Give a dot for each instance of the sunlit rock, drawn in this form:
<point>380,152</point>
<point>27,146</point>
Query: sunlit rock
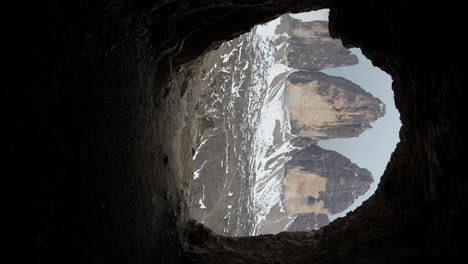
<point>324,107</point>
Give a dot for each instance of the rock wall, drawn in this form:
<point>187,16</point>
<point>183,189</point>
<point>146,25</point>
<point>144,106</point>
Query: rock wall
<point>313,49</point>
<point>324,107</point>
<point>418,210</point>
<point>97,154</point>
<point>335,182</point>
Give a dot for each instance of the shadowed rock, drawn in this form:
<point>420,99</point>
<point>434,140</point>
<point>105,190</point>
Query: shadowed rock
<point>323,181</point>
<point>307,222</point>
<point>312,48</point>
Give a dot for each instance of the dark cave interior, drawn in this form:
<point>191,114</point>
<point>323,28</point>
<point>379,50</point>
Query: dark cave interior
<point>98,157</point>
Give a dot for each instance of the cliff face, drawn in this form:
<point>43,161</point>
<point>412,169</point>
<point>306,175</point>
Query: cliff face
<point>322,181</point>
<point>257,101</point>
<point>221,186</point>
<point>324,107</point>
<point>312,48</point>
<point>308,222</point>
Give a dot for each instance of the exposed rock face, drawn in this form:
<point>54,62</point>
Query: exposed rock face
<point>230,91</point>
<point>308,222</point>
<point>323,107</point>
<point>251,108</point>
<point>98,156</point>
<point>312,48</point>
<point>335,182</point>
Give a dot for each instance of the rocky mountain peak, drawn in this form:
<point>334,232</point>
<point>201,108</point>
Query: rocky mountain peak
<point>324,107</point>
<point>263,105</point>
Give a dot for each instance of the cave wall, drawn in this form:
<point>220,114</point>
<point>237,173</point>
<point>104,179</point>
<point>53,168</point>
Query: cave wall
<point>422,188</point>
<point>94,140</point>
<point>418,211</point>
<point>98,108</point>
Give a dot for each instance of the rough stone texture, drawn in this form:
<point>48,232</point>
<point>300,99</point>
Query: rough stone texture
<point>94,150</point>
<point>220,140</point>
<point>313,49</point>
<point>308,222</point>
<point>324,107</point>
<point>339,183</point>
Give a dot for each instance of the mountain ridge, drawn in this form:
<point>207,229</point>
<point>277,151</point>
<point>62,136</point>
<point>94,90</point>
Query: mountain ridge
<point>247,129</point>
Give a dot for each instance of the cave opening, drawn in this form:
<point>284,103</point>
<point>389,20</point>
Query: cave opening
<point>99,161</point>
<point>291,129</point>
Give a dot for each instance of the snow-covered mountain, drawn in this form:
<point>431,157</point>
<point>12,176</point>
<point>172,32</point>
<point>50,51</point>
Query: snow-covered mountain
<point>262,106</point>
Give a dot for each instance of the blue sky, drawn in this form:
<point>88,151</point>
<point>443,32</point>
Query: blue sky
<point>373,148</point>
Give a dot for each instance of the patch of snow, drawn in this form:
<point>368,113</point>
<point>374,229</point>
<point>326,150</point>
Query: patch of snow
<point>196,174</point>
<point>226,57</point>
<point>246,66</point>
<point>268,29</point>
<point>267,105</point>
<point>291,220</point>
<point>199,147</point>
<point>202,205</point>
<point>312,15</point>
<point>276,70</point>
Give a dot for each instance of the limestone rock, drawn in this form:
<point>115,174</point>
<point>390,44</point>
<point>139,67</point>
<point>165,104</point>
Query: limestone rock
<point>324,107</point>
<point>312,48</point>
<point>323,182</point>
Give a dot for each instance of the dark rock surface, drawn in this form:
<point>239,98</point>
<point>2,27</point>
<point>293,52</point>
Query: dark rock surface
<point>96,159</point>
<point>345,181</point>
<point>308,222</point>
<point>313,49</point>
